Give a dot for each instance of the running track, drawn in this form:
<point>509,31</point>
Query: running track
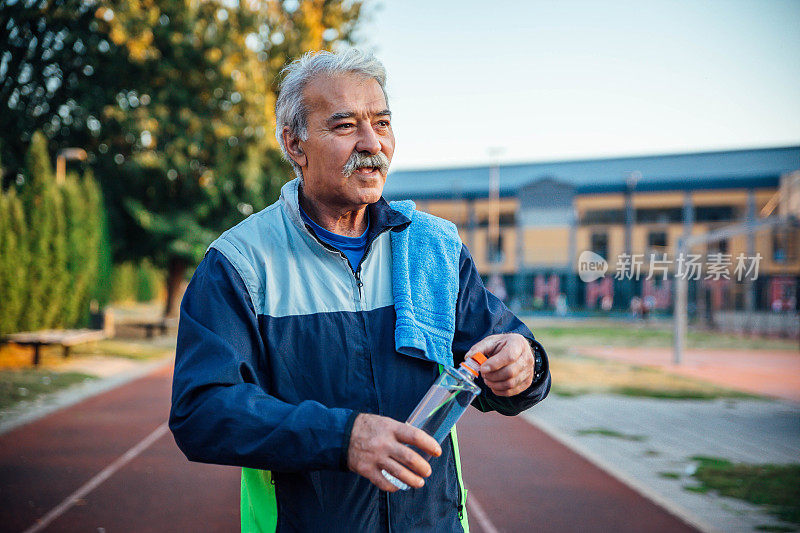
<point>109,464</point>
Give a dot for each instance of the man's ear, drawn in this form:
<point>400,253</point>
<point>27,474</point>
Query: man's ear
<point>292,143</point>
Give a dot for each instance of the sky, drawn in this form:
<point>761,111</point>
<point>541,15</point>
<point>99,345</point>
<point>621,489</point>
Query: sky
<point>478,82</point>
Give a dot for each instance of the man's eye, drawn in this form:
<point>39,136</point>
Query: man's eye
<point>344,126</point>
<point>383,123</point>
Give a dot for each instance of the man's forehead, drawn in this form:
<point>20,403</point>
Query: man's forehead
<point>344,93</point>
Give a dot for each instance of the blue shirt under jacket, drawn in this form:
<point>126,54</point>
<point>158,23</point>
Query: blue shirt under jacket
<point>352,247</point>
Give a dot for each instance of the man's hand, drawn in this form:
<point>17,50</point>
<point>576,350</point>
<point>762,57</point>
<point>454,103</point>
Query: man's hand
<point>379,443</point>
<point>510,367</point>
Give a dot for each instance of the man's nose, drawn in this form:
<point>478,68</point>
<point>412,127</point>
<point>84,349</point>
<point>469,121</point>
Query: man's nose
<point>368,141</point>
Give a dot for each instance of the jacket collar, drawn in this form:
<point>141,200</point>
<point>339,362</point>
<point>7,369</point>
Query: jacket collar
<point>381,215</point>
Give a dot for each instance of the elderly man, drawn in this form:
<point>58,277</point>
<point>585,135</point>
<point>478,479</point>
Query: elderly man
<point>289,360</point>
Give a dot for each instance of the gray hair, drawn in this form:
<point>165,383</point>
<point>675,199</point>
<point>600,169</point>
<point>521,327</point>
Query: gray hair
<point>290,110</point>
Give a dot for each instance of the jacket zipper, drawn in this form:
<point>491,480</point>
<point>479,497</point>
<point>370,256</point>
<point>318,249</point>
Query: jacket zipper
<point>360,285</point>
<point>388,515</point>
<point>357,272</point>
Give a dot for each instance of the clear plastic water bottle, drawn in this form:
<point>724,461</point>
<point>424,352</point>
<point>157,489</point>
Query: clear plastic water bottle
<point>443,404</point>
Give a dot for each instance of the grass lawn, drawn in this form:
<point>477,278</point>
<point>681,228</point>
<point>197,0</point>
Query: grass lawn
<point>129,349</point>
<point>605,432</point>
<point>575,374</point>
<point>777,487</point>
<point>647,334</point>
<point>27,384</point>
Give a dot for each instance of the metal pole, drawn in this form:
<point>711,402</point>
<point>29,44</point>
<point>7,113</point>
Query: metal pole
<point>61,169</point>
<point>494,211</point>
<point>679,315</point>
<point>749,286</point>
<point>627,285</point>
<point>73,154</point>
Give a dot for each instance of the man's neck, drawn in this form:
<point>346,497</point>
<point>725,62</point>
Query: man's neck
<point>350,223</point>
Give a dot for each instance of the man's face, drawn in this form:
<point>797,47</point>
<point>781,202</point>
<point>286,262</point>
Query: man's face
<point>346,114</point>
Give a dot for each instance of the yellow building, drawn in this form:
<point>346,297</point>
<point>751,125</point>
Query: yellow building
<point>629,211</point>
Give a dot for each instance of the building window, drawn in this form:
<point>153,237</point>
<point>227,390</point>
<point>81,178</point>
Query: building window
<point>659,215</point>
<point>603,216</point>
<point>714,213</point>
<point>505,219</point>
<point>599,244</point>
<point>785,245</point>
<point>718,247</point>
<point>657,240</point>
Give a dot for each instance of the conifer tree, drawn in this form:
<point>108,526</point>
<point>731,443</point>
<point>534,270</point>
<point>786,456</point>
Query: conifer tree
<point>18,261</point>
<point>55,290</point>
<point>99,241</point>
<point>47,275</point>
<point>81,251</point>
<point>40,221</point>
<point>8,250</point>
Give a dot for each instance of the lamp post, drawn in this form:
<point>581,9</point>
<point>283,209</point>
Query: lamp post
<point>72,154</point>
<point>630,220</point>
<point>494,208</point>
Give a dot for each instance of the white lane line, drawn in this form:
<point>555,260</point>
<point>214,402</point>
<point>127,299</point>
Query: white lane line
<point>92,484</point>
<point>475,509</point>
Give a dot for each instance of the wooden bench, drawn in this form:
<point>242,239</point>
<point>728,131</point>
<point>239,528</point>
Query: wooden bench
<point>162,325</point>
<point>66,338</point>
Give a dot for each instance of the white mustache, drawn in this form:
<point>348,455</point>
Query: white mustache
<point>358,160</point>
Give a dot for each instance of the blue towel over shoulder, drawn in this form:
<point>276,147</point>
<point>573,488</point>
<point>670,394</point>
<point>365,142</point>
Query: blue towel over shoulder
<point>425,259</point>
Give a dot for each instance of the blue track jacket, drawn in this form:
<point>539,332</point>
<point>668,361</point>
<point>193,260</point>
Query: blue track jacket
<point>281,345</point>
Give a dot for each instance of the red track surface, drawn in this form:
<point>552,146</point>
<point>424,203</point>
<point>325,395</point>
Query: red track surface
<point>524,480</point>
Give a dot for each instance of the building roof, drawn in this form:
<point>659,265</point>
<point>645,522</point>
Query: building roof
<point>707,170</point>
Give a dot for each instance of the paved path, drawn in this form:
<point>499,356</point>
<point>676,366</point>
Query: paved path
<point>647,437</point>
<point>773,373</point>
<point>108,464</point>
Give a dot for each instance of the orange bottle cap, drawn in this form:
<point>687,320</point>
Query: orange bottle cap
<point>479,358</point>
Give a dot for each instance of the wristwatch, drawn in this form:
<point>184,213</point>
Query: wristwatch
<point>538,362</point>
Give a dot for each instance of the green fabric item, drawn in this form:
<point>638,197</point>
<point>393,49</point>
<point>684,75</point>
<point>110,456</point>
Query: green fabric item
<point>258,506</point>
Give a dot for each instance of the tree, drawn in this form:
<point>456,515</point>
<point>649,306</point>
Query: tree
<point>174,102</point>
<point>100,290</point>
<point>13,261</point>
<point>205,156</point>
<point>82,246</point>
<point>58,70</point>
<point>46,274</point>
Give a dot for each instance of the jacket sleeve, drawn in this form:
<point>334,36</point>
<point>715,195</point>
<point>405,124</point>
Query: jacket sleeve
<point>479,313</point>
<point>221,412</point>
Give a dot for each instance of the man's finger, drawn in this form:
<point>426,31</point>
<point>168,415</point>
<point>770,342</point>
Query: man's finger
<point>410,435</point>
<point>411,460</point>
<point>504,385</point>
<point>506,356</point>
<point>511,386</point>
<point>502,373</point>
<point>381,482</point>
<point>488,346</point>
<point>402,473</point>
